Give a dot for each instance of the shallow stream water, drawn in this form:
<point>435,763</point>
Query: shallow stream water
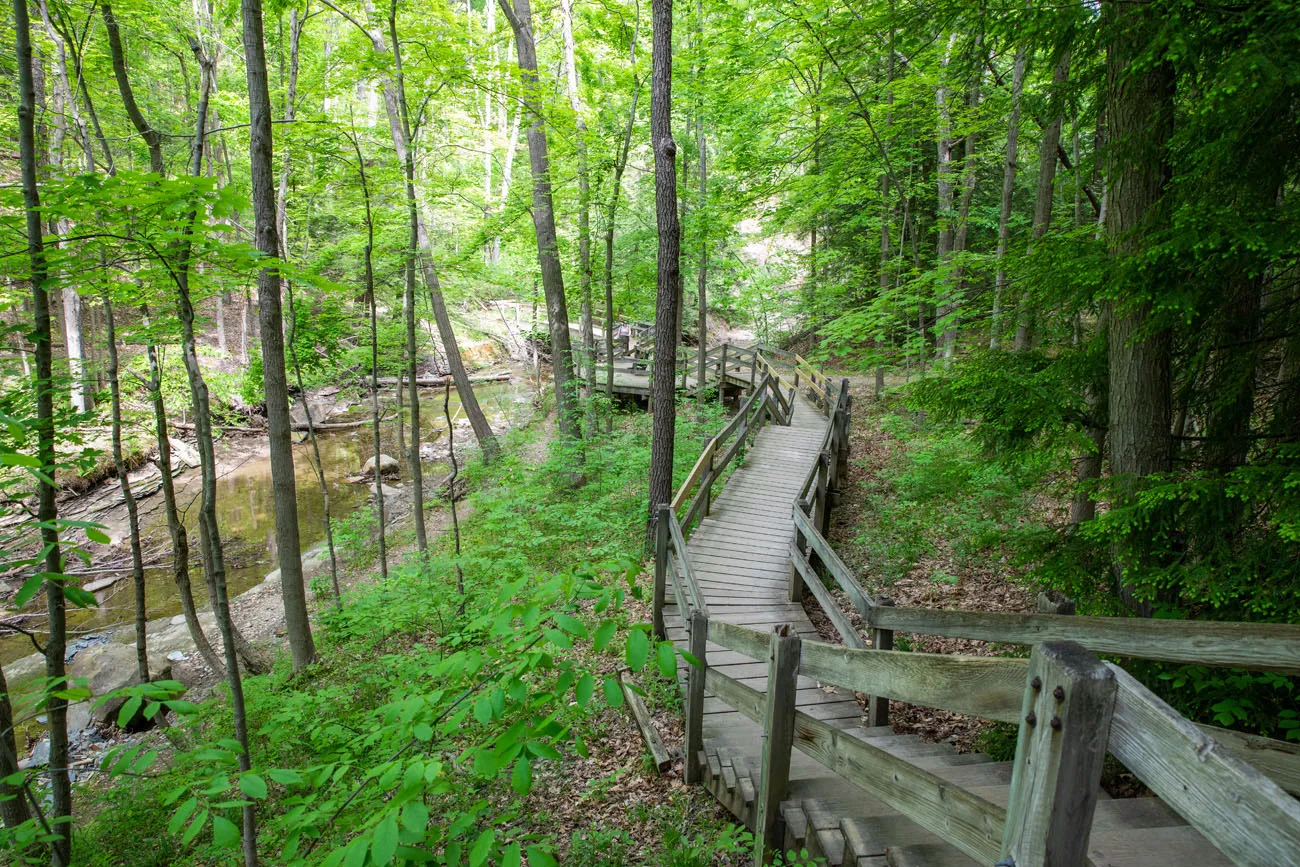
<point>245,508</point>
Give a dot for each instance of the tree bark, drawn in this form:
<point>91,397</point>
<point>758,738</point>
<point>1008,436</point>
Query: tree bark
<point>584,213</point>
<point>669,262</point>
<point>13,806</point>
<point>132,516</point>
<point>152,138</point>
<point>270,321</point>
<point>557,313</point>
<point>1139,110</point>
<point>946,211</point>
<point>1008,191</point>
<point>47,511</point>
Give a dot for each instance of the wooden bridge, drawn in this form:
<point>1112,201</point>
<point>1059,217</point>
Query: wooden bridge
<point>733,366</point>
<point>791,733</point>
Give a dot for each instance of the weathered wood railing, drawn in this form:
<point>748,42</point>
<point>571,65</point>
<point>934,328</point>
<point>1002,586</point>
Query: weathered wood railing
<point>1071,707</point>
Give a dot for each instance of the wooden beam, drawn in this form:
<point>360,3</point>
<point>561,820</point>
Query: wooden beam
<point>741,639</point>
<point>990,687</point>
<point>1277,760</point>
<point>778,740</point>
<point>695,676</point>
<point>1257,646</point>
<point>842,574</point>
<point>824,597</point>
<point>1242,812</point>
<point>649,734</point>
<point>1068,700</point>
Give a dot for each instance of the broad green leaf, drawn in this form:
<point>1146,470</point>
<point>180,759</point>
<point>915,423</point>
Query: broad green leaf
<point>195,827</point>
<point>667,659</point>
<point>604,635</point>
<point>613,691</point>
<point>483,710</point>
<point>638,648</point>
<point>225,833</point>
<point>384,845</point>
<point>559,639</point>
<point>253,786</point>
<point>182,815</point>
<point>98,536</point>
<point>128,710</point>
<point>521,779</point>
<point>539,857</point>
<point>285,776</point>
<point>355,855</point>
<point>510,856</point>
<point>415,816</point>
<point>482,848</point>
<point>571,625</point>
<point>423,732</point>
<point>586,686</point>
<point>28,590</point>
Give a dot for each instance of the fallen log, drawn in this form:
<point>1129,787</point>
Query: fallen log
<point>440,381</point>
<point>649,734</point>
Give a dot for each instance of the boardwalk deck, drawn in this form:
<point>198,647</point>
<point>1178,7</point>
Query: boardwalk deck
<point>740,558</point>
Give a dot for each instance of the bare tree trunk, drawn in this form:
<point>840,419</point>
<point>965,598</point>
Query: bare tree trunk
<point>13,807</point>
<point>669,261</point>
<point>1140,113</point>
<point>1008,190</point>
<point>946,212</point>
<point>152,138</point>
<point>274,378</point>
<point>132,516</point>
<point>620,164</point>
<point>584,214</point>
<point>557,313</point>
<point>47,511</point>
<point>1043,199</point>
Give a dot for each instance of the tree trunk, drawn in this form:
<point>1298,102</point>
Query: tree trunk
<point>274,378</point>
<point>669,262</point>
<point>620,164</point>
<point>47,512</point>
<point>946,214</point>
<point>1048,146</point>
<point>557,313</point>
<point>1140,113</point>
<point>13,806</point>
<point>1008,190</point>
<point>584,213</point>
<point>152,138</point>
<point>132,517</point>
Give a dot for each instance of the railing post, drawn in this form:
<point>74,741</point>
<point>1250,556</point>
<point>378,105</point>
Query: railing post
<point>753,367</point>
<point>881,639</point>
<point>821,514</point>
<point>722,372</point>
<point>778,740</point>
<point>707,481</point>
<point>795,585</point>
<point>694,746</point>
<point>1069,698</point>
<point>661,568</point>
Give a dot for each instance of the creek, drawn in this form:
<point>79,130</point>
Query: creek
<point>245,508</point>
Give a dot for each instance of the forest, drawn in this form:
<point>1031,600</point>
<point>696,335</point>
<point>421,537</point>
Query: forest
<point>354,350</point>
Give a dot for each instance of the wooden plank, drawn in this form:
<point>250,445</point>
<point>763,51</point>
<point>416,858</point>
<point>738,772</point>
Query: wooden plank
<point>1277,760</point>
<point>702,465</point>
<point>958,817</point>
<point>1257,646</point>
<point>842,574</point>
<point>848,634</point>
<point>1255,823</point>
<point>778,737</point>
<point>991,687</point>
<point>684,562</point>
<point>745,641</point>
<point>661,570</point>
<point>1059,753</point>
<point>694,735</point>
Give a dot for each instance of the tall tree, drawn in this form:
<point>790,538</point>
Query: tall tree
<point>1008,191</point>
<point>584,208</point>
<point>668,282</point>
<point>275,382</point>
<point>47,511</point>
<point>557,311</point>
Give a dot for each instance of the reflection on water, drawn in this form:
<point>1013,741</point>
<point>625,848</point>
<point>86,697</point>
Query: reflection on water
<point>246,511</point>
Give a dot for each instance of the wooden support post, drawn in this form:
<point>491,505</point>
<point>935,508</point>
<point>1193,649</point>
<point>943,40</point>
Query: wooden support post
<point>661,569</point>
<point>795,585</point>
<point>753,368</point>
<point>707,482</point>
<point>722,372</point>
<point>821,514</point>
<point>654,744</point>
<point>778,740</point>
<point>1069,699</point>
<point>881,639</point>
<point>694,745</point>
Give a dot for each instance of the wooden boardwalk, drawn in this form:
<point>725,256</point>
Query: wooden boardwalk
<point>740,555</point>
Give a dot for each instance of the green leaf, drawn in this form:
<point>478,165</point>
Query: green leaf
<point>28,590</point>
<point>423,732</point>
<point>355,855</point>
<point>638,648</point>
<point>128,711</point>
<point>571,625</point>
<point>482,848</point>
<point>559,639</point>
<point>613,692</point>
<point>604,635</point>
<point>483,710</point>
<point>179,706</point>
<point>667,659</point>
<point>415,816</point>
<point>253,786</point>
<point>98,536</point>
<point>225,833</point>
<point>585,688</point>
<point>182,815</point>
<point>510,856</point>
<point>285,776</point>
<point>521,779</point>
<point>195,827</point>
<point>384,845</point>
<point>9,459</point>
<point>79,597</point>
<point>539,857</point>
